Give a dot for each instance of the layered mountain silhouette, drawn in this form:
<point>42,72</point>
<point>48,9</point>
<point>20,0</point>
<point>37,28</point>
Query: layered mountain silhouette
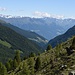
<point>41,41</point>
<point>47,27</point>
<point>64,37</point>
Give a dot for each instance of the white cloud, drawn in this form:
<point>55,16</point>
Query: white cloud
<point>2,9</point>
<point>38,14</point>
<point>41,14</point>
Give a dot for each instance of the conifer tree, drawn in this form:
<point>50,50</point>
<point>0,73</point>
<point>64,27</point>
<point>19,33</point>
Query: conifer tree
<point>3,69</point>
<point>38,63</point>
<point>26,70</point>
<point>8,66</point>
<point>11,63</point>
<point>31,65</point>
<point>15,64</point>
<point>49,47</point>
<point>58,49</point>
<point>17,56</point>
<point>32,54</point>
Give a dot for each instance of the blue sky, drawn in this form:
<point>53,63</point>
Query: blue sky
<point>38,8</point>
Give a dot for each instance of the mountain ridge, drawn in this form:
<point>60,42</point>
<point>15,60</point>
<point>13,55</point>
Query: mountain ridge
<point>43,26</point>
<point>38,39</point>
<point>62,38</point>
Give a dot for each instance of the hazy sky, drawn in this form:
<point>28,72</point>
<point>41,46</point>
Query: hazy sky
<point>38,8</point>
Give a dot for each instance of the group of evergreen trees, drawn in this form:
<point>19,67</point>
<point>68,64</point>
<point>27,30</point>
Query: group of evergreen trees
<point>12,64</point>
<point>3,69</point>
<point>28,68</point>
<point>32,64</point>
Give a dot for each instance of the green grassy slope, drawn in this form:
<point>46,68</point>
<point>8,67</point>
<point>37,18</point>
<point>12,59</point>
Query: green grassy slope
<point>5,43</point>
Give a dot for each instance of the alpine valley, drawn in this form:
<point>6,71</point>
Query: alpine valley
<point>25,51</point>
<point>47,27</point>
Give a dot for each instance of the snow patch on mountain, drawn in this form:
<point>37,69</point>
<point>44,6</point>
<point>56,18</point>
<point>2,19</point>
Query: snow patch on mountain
<point>10,16</point>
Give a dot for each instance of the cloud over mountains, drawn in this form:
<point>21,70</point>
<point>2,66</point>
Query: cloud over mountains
<point>38,14</point>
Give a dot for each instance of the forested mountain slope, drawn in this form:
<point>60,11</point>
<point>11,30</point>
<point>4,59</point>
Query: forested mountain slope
<point>57,61</point>
<point>11,41</point>
<point>41,41</point>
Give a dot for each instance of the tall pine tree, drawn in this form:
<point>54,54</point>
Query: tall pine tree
<point>17,57</point>
<point>3,69</point>
<point>38,63</point>
<point>49,47</point>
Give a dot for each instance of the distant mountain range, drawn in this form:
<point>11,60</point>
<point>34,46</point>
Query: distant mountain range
<point>47,27</point>
<point>64,37</point>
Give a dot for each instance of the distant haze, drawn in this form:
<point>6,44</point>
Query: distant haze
<point>47,27</point>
